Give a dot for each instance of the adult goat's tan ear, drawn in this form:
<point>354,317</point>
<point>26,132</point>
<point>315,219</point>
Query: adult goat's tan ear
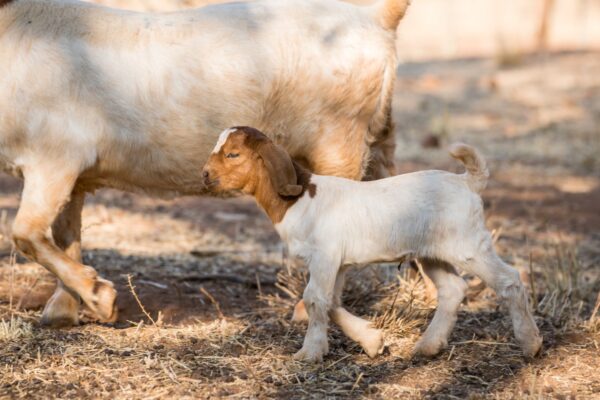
<point>281,169</point>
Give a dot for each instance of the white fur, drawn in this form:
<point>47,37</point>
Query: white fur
<point>431,215</point>
<point>222,139</point>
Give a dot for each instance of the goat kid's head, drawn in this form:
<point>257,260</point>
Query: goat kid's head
<point>242,157</point>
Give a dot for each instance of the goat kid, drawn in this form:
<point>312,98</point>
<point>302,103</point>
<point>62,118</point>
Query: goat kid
<point>435,216</point>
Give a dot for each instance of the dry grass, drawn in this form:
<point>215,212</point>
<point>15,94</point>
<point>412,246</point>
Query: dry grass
<point>249,355</point>
<point>206,292</point>
<point>14,329</point>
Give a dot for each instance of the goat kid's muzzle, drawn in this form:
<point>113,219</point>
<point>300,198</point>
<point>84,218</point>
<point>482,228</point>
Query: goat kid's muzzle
<point>208,181</point>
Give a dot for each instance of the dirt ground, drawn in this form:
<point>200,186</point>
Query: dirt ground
<point>214,277</point>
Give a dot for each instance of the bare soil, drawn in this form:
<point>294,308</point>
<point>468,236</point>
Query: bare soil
<point>214,277</point>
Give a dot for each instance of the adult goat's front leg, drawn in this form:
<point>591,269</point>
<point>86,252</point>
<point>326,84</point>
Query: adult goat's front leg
<point>62,309</point>
<point>318,299</point>
<point>47,189</point>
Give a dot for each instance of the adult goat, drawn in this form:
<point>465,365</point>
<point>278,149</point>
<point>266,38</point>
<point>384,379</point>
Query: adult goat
<point>92,97</point>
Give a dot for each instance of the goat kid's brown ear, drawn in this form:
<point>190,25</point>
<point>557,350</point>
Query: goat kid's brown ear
<point>281,169</point>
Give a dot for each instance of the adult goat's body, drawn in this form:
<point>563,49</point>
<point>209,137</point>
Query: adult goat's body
<point>92,97</point>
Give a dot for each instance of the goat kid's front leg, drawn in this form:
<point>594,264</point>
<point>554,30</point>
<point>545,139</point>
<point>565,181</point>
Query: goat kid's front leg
<point>318,299</point>
<point>301,315</point>
<point>357,329</point>
<point>360,330</point>
<point>47,189</point>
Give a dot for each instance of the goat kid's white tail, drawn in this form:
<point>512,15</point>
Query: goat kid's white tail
<point>477,172</point>
<point>389,13</point>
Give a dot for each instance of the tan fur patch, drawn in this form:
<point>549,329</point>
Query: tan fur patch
<point>252,176</point>
<point>276,206</point>
<point>392,12</point>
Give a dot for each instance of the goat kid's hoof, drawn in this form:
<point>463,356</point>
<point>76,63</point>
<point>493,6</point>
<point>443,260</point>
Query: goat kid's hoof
<point>429,347</point>
<point>103,301</point>
<point>310,355</point>
<point>372,342</point>
<point>300,315</point>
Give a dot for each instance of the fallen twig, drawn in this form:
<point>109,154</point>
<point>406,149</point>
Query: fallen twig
<point>214,301</point>
<point>132,289</point>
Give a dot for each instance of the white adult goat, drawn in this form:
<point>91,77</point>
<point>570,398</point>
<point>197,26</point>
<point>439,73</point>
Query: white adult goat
<point>93,97</point>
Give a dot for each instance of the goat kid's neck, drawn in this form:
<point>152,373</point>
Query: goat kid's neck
<point>267,198</point>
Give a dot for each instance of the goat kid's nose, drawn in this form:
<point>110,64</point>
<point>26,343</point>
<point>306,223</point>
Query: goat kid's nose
<point>205,174</point>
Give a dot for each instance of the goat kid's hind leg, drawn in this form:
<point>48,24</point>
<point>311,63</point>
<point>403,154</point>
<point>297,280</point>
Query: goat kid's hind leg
<point>506,282</point>
<point>62,309</point>
<point>318,300</point>
<point>47,189</point>
<point>451,290</point>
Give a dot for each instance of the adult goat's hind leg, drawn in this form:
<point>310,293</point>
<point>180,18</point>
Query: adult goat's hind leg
<point>47,189</point>
<point>342,152</point>
<point>381,162</point>
<point>62,309</point>
<point>506,282</point>
<point>450,293</point>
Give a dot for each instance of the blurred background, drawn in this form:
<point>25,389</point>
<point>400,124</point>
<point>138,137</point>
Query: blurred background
<point>442,29</point>
<point>519,79</point>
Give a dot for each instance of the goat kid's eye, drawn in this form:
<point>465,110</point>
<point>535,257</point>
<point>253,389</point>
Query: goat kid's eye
<point>232,155</point>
